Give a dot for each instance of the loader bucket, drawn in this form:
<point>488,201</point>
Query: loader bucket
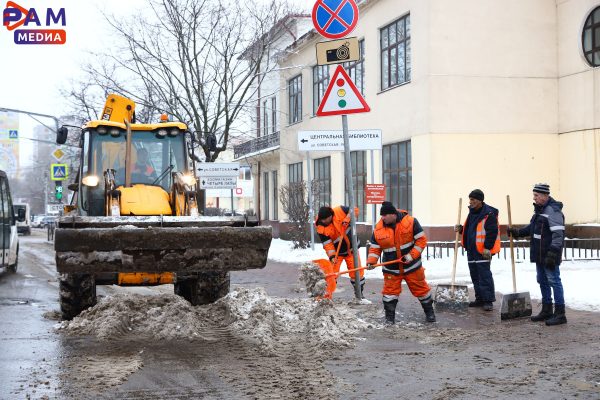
<point>183,245</point>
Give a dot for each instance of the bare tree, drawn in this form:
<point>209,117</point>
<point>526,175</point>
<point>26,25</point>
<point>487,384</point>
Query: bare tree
<point>294,200</point>
<point>197,60</point>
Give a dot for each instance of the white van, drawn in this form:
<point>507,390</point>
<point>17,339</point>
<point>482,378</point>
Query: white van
<point>9,240</point>
<point>23,227</point>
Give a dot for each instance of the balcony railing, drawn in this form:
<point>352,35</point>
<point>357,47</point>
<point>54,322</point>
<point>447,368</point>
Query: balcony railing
<point>256,145</point>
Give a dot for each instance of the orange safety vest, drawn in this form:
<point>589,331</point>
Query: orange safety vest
<point>336,230</point>
<point>480,237</point>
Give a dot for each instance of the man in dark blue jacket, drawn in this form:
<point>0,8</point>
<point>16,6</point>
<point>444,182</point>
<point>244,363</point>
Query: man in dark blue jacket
<point>547,231</point>
<point>481,240</point>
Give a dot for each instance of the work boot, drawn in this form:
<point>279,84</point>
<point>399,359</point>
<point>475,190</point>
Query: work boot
<point>488,306</point>
<point>362,290</point>
<point>559,316</point>
<point>428,308</point>
<point>476,303</point>
<point>390,311</point>
<point>545,314</point>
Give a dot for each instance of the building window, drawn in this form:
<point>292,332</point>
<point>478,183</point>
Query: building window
<point>266,193</point>
<point>397,174</point>
<point>323,181</point>
<point>265,119</point>
<point>359,179</point>
<point>591,38</point>
<point>273,114</point>
<point>295,173</point>
<point>395,53</point>
<point>320,82</point>
<point>356,69</point>
<point>295,99</point>
<point>275,198</point>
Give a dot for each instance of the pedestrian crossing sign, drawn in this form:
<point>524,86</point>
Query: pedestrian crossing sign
<point>59,172</point>
<point>13,134</point>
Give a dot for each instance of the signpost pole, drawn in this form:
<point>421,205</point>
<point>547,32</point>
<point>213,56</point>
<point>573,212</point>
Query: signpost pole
<point>311,212</point>
<point>350,194</point>
<point>373,181</point>
<point>232,213</point>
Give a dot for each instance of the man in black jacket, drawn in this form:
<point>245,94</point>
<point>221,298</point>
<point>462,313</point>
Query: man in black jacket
<point>547,232</point>
<point>481,240</point>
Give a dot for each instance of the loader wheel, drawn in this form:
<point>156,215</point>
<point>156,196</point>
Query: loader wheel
<point>205,288</point>
<point>77,292</point>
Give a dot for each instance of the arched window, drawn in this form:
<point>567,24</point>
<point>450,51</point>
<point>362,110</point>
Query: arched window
<point>590,38</point>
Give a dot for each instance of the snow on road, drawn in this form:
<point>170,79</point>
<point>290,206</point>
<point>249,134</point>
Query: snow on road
<point>578,277</point>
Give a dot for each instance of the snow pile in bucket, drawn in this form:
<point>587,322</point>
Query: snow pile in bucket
<point>249,313</point>
<point>448,295</point>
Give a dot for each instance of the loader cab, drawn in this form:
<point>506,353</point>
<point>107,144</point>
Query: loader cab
<point>157,150</point>
<point>9,241</point>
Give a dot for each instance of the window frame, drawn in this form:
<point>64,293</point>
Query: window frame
<point>386,50</point>
<point>352,66</point>
<point>295,97</point>
<point>359,174</point>
<point>591,24</point>
<point>273,114</point>
<point>265,115</point>
<point>295,171</point>
<point>275,196</point>
<point>394,188</point>
<point>320,83</point>
<point>322,175</point>
<point>266,195</point>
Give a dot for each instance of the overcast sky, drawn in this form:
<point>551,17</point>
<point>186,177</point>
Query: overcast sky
<point>32,75</point>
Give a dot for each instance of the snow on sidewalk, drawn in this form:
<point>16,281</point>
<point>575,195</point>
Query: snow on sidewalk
<point>579,277</point>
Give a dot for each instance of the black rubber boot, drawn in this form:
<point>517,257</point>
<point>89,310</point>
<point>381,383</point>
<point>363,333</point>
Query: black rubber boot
<point>559,316</point>
<point>545,314</point>
<point>390,311</point>
<point>429,313</point>
<point>476,303</point>
<point>362,290</point>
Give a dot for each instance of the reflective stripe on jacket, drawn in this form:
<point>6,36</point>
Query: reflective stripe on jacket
<point>406,236</point>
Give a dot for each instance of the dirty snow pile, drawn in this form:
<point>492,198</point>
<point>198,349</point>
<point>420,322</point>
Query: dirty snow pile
<point>247,313</point>
<point>444,294</point>
<point>313,278</point>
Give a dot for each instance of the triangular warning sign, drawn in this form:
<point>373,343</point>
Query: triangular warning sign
<point>342,96</point>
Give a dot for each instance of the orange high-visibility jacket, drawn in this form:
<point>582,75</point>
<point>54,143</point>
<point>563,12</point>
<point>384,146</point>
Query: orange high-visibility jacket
<point>332,234</point>
<point>407,237</point>
<point>480,237</point>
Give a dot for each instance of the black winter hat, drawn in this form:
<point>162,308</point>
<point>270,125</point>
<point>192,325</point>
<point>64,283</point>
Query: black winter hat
<point>476,194</point>
<point>387,208</point>
<point>324,212</point>
<point>541,188</point>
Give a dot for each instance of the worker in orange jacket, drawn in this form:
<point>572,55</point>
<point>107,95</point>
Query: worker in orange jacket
<point>399,236</point>
<point>333,225</point>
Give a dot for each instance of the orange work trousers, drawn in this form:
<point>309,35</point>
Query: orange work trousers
<point>415,280</point>
<point>349,265</point>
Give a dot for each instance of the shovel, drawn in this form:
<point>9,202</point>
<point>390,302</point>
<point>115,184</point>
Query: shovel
<point>516,304</point>
<point>336,274</point>
<point>453,296</point>
<point>330,277</point>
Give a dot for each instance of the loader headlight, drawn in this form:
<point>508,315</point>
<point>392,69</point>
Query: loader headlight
<point>102,130</point>
<point>189,180</point>
<point>90,180</point>
<point>174,132</point>
<point>161,133</point>
<point>115,132</point>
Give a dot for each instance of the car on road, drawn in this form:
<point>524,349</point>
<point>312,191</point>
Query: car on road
<point>48,220</point>
<point>23,227</point>
<point>37,221</point>
<point>9,240</point>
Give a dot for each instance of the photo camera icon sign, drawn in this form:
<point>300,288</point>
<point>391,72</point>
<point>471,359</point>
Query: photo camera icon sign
<point>340,54</point>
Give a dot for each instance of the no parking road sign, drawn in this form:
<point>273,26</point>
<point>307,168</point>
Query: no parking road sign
<point>335,19</point>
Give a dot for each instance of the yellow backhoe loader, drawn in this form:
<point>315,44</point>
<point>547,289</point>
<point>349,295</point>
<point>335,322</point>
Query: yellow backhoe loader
<point>135,219</point>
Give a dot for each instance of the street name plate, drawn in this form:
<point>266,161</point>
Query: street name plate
<point>219,169</point>
<point>366,139</point>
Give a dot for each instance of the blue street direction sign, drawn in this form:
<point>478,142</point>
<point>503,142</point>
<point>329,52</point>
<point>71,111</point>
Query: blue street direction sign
<point>13,134</point>
<point>59,172</point>
<point>335,19</point>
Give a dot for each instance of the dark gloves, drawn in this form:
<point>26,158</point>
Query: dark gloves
<point>332,259</point>
<point>551,259</point>
<point>514,232</point>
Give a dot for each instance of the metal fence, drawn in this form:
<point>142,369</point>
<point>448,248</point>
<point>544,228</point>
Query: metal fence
<point>574,249</point>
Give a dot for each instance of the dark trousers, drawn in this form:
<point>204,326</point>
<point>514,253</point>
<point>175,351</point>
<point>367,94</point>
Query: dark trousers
<point>483,281</point>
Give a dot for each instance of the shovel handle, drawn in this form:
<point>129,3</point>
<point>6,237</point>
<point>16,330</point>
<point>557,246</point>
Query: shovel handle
<point>512,251</point>
<point>362,268</point>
